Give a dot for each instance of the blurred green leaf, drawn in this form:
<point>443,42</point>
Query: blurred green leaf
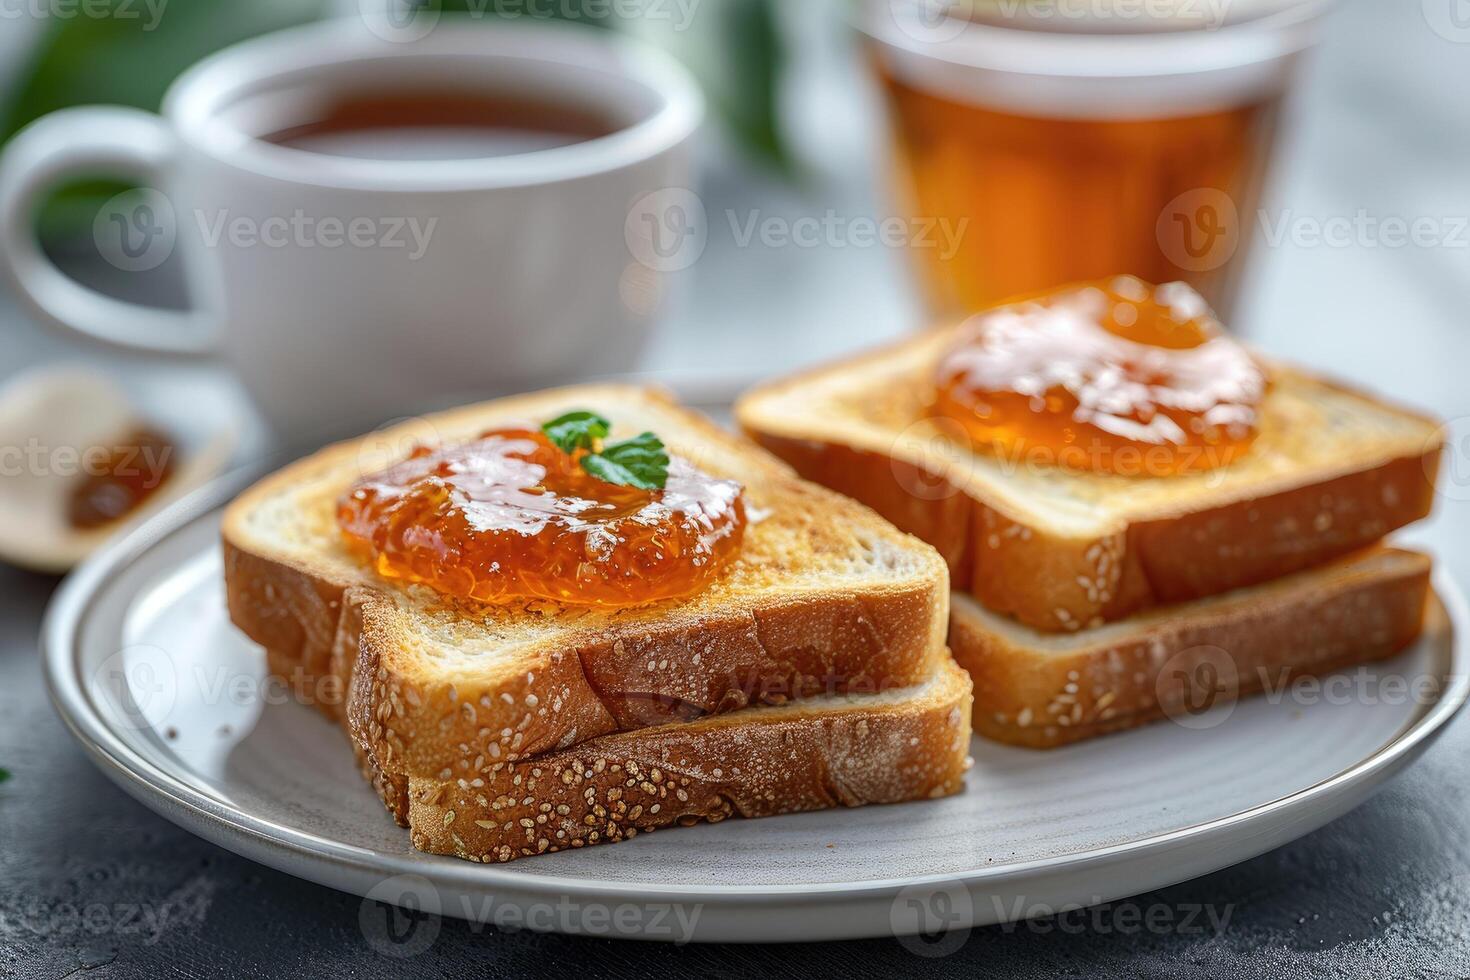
<point>733,47</point>
<point>129,59</point>
<point>748,95</point>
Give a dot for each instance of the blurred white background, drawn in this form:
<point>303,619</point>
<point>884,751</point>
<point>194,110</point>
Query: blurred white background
<point>1377,130</point>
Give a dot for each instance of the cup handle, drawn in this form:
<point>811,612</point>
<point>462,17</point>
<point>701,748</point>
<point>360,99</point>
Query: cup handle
<point>88,141</point>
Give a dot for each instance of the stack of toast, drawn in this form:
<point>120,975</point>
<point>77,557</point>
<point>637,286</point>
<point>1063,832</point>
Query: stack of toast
<point>1090,602</point>
<point>816,669</point>
<point>814,673</point>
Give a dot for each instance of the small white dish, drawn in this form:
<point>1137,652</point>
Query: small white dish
<point>173,704</point>
<point>54,423</point>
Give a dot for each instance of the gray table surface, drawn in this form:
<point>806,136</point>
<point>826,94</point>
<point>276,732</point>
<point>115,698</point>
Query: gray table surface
<point>91,880</point>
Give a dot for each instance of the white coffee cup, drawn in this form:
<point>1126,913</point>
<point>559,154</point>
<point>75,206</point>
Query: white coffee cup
<point>348,289</point>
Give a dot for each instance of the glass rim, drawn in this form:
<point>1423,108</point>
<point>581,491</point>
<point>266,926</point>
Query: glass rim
<point>903,26</point>
<point>1097,18</point>
<point>1140,76</point>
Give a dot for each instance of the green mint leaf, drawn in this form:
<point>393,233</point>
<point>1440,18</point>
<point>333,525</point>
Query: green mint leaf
<point>576,430</point>
<point>638,462</point>
<point>4,775</point>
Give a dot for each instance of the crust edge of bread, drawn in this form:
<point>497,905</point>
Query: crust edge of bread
<point>1345,614</point>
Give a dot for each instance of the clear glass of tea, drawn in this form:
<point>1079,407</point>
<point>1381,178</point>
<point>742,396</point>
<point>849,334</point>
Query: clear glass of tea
<point>1068,140</point>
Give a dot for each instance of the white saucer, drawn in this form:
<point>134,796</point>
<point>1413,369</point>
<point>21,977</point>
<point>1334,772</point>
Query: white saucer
<point>173,704</point>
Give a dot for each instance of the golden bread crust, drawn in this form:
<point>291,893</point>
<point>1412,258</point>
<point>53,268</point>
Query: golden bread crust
<point>1044,691</point>
<point>849,750</point>
<point>618,786</point>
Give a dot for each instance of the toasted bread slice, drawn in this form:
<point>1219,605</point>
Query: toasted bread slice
<point>824,597</point>
<point>1048,689</point>
<point>836,750</point>
<point>832,750</point>
<point>1332,470</point>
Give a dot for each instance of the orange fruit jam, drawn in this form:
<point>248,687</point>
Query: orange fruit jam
<point>510,516</point>
<point>129,474</point>
<point>1116,376</point>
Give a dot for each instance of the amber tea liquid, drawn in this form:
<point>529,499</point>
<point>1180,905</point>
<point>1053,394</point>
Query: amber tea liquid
<point>1073,149</point>
<point>1058,200</point>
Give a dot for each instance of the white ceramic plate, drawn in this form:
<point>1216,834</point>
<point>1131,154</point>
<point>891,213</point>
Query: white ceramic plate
<point>174,705</point>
